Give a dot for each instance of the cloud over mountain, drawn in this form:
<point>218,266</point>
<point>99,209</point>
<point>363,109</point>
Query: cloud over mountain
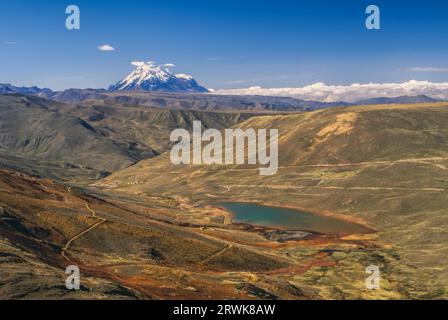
<point>349,93</point>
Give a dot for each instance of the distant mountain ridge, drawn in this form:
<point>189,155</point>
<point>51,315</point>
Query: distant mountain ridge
<point>199,100</point>
<point>398,100</point>
<point>6,88</point>
<point>179,100</point>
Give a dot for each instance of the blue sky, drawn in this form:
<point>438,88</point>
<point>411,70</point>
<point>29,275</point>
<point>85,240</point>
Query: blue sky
<point>224,43</point>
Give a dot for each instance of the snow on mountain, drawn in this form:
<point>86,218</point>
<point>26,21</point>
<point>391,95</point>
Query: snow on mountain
<point>147,76</point>
<point>184,76</point>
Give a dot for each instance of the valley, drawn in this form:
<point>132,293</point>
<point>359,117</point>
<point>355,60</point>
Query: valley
<point>380,166</point>
<point>91,184</point>
<point>223,158</point>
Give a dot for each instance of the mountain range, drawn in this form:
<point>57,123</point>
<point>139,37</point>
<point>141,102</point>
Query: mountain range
<point>194,100</point>
<point>6,88</point>
<point>398,100</point>
<point>156,86</point>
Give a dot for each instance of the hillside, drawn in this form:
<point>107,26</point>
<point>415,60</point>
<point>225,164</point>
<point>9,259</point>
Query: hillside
<point>126,248</point>
<point>100,137</point>
<point>383,166</point>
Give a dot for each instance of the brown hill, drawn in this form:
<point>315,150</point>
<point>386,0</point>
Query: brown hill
<point>384,166</point>
<point>93,137</point>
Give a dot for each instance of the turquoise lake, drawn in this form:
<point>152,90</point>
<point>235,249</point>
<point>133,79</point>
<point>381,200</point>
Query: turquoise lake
<point>289,219</point>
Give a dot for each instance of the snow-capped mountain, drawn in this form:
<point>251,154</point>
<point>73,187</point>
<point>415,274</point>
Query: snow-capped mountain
<point>148,76</point>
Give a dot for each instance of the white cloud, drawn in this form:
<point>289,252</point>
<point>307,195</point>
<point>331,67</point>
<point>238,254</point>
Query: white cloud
<point>169,65</point>
<point>106,47</point>
<point>138,63</point>
<point>145,65</point>
<point>349,93</point>
<point>10,43</point>
<point>428,69</point>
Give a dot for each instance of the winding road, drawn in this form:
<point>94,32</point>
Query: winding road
<point>79,235</point>
<point>220,252</point>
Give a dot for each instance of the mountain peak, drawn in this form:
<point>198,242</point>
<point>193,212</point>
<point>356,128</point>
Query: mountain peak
<point>147,76</point>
